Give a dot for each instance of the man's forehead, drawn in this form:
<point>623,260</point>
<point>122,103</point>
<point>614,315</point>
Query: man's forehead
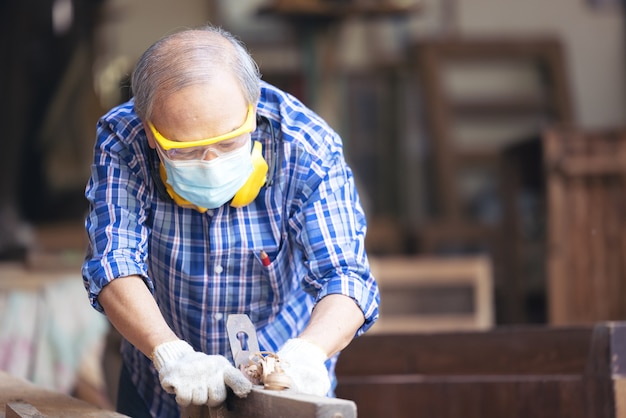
<point>196,113</point>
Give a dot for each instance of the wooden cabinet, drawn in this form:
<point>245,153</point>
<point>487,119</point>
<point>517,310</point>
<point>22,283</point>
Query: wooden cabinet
<point>468,131</point>
<point>586,192</point>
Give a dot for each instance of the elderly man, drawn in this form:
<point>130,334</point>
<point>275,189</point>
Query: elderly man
<point>214,193</point>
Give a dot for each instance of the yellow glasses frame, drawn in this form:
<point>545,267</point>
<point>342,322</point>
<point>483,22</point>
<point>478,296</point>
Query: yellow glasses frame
<point>166,144</point>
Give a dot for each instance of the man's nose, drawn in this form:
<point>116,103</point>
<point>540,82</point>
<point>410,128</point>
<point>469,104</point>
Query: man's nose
<point>210,154</point>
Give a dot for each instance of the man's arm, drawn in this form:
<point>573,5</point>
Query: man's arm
<point>132,310</point>
<point>192,376</point>
<point>334,322</point>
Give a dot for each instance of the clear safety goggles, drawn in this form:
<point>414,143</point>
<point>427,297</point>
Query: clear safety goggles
<point>198,150</point>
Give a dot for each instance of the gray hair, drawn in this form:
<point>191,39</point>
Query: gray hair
<point>191,57</point>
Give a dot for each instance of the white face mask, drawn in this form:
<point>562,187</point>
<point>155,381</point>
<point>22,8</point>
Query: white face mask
<point>209,184</point>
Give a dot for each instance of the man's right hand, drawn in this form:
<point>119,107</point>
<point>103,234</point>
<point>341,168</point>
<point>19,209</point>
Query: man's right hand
<point>197,378</point>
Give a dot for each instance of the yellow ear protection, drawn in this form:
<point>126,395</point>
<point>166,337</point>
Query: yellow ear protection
<point>246,194</point>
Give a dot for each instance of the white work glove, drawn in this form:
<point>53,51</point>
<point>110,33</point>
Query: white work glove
<point>197,378</point>
<point>303,362</point>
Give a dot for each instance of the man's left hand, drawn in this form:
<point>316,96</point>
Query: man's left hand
<point>303,362</point>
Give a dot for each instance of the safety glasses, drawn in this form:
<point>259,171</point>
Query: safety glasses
<point>219,145</point>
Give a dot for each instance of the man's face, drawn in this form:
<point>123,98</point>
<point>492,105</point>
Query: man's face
<point>203,112</point>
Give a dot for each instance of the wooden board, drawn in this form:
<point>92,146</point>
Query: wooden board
<point>261,403</point>
<point>22,410</point>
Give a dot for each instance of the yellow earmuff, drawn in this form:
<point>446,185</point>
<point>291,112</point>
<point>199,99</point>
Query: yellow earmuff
<point>244,196</point>
<point>250,189</point>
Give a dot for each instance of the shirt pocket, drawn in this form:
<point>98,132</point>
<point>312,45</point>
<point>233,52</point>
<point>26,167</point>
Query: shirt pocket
<point>273,281</point>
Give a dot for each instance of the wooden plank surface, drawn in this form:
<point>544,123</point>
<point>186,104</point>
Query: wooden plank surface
<point>549,396</point>
<point>505,350</point>
<point>261,403</point>
<point>50,404</point>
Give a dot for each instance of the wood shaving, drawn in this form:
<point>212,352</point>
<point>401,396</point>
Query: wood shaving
<point>264,368</point>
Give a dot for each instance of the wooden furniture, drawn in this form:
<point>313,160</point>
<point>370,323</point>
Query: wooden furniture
<point>433,293</point>
<point>435,57</point>
<point>586,179</point>
<point>555,372</point>
<point>22,399</point>
<point>458,222</point>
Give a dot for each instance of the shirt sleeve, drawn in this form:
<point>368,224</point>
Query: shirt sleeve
<point>117,194</point>
<point>330,227</point>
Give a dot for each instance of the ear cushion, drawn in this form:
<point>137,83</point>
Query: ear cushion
<point>250,190</point>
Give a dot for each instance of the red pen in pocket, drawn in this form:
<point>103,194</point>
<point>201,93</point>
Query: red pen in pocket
<point>265,259</point>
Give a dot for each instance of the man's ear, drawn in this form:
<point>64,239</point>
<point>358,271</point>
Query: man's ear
<point>151,140</point>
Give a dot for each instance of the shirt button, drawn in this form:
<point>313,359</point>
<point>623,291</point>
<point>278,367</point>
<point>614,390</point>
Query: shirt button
<point>219,269</point>
<point>218,316</point>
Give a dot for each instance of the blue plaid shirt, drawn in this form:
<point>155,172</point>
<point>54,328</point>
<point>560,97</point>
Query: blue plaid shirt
<point>201,267</point>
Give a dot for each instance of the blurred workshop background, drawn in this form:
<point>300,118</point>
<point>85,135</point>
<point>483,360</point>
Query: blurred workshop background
<point>459,119</point>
